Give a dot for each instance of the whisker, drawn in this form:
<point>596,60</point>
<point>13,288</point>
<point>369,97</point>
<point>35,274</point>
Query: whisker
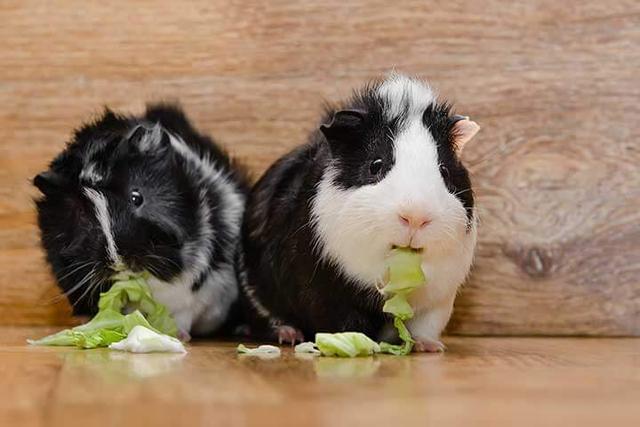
<point>80,267</point>
<point>74,288</point>
<point>97,286</point>
<point>161,258</point>
<point>461,192</point>
<point>88,288</point>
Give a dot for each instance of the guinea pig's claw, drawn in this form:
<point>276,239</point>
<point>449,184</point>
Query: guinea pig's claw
<point>429,346</point>
<point>288,335</point>
<point>184,336</point>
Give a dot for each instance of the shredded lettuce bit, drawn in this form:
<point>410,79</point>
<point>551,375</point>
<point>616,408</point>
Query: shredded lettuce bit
<point>399,349</point>
<point>405,275</point>
<point>129,292</point>
<point>346,344</point>
<point>260,350</point>
<point>144,340</point>
<point>307,347</point>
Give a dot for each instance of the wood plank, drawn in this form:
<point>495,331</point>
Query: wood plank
<point>479,381</point>
<point>553,84</point>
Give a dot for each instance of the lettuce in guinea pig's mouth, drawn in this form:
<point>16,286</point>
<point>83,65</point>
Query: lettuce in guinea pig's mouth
<point>417,250</point>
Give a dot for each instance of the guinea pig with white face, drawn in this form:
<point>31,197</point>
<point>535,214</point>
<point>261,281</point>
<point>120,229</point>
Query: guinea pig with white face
<point>382,171</point>
<point>145,193</point>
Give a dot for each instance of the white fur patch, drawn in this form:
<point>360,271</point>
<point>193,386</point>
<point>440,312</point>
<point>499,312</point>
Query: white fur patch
<point>250,293</point>
<point>90,174</point>
<point>401,92</point>
<point>101,208</point>
<point>233,199</point>
<point>196,253</point>
<point>203,310</point>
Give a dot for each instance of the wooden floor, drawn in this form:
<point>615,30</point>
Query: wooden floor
<point>478,382</point>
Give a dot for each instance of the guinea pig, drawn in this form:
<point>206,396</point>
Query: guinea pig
<point>383,170</point>
<point>147,193</point>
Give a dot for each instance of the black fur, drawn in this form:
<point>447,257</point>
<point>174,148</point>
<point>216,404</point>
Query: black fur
<point>284,272</point>
<point>281,264</point>
<point>149,236</point>
<point>440,122</point>
<point>357,140</point>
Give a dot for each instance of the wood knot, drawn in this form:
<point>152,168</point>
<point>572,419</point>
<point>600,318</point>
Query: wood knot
<point>536,262</point>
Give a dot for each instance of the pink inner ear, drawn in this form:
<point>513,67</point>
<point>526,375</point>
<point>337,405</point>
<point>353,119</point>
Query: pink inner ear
<point>464,131</point>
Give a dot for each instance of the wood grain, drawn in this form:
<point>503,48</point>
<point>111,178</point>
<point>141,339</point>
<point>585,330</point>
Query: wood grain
<point>553,84</point>
<point>479,381</point>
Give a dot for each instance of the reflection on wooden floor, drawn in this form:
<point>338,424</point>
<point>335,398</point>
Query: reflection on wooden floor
<point>479,381</point>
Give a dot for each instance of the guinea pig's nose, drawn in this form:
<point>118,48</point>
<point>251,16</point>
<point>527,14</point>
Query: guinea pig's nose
<point>414,220</point>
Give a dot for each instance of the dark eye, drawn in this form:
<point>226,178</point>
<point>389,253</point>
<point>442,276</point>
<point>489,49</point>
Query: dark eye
<point>375,167</point>
<point>444,171</point>
<point>136,198</point>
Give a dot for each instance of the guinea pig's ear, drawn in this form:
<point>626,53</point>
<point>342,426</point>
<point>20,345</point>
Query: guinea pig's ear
<point>343,125</point>
<point>49,182</point>
<point>463,131</point>
<point>149,138</point>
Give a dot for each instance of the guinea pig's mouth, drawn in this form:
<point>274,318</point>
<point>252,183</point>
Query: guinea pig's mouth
<point>417,250</point>
<point>160,267</point>
<point>130,267</point>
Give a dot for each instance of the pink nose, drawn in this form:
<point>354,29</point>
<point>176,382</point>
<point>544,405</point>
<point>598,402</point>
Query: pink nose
<point>413,220</point>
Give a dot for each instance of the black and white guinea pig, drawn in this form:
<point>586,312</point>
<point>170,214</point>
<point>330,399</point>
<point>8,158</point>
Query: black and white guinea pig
<point>145,193</point>
<point>382,171</point>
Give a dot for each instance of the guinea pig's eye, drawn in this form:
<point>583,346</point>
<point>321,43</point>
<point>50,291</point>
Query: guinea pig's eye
<point>375,167</point>
<point>444,171</point>
<point>136,198</point>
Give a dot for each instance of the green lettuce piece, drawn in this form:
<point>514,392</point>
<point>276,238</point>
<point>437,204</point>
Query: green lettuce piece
<point>134,319</point>
<point>105,328</point>
<point>260,350</point>
<point>87,335</point>
<point>346,344</point>
<point>97,338</point>
<point>62,338</point>
<point>405,275</point>
<point>405,271</point>
<point>398,306</point>
<point>132,292</point>
<point>110,325</point>
<point>399,349</point>
<point>307,348</point>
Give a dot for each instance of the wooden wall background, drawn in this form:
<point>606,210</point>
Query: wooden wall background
<point>554,84</point>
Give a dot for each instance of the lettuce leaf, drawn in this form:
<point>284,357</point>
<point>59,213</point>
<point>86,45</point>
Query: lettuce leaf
<point>260,350</point>
<point>141,339</point>
<point>110,325</point>
<point>405,275</point>
<point>346,344</point>
<point>307,347</point>
<point>131,292</point>
<point>398,306</point>
<point>405,271</point>
<point>405,336</point>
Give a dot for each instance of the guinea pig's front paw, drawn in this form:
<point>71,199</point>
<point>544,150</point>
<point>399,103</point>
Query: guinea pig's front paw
<point>288,334</point>
<point>425,345</point>
<point>184,335</point>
